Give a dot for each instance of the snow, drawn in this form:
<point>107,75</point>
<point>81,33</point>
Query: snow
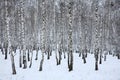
<point>108,70</point>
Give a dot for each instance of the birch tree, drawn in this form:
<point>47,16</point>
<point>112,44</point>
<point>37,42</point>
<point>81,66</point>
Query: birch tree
<point>10,49</point>
<point>70,42</point>
<point>43,30</point>
<point>23,32</point>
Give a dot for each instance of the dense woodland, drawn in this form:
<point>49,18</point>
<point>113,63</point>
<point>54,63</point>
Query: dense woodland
<point>66,27</point>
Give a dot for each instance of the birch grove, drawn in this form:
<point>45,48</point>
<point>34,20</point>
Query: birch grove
<point>60,27</point>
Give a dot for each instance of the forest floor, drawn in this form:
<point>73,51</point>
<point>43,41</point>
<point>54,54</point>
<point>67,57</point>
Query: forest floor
<point>108,70</point>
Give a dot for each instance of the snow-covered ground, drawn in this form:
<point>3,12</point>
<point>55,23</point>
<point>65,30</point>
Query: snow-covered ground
<point>109,70</point>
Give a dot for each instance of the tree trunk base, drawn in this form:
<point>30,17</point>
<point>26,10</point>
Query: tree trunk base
<point>80,54</point>
<point>20,65</point>
<point>105,58</point>
<point>40,69</point>
<point>70,68</point>
<point>5,53</point>
<point>100,62</point>
<point>25,64</point>
<point>41,63</point>
<point>36,55</point>
<point>28,55</point>
<point>118,56</point>
<point>14,73</point>
<point>96,66</point>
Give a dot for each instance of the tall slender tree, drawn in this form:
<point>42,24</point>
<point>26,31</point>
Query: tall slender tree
<point>70,42</point>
